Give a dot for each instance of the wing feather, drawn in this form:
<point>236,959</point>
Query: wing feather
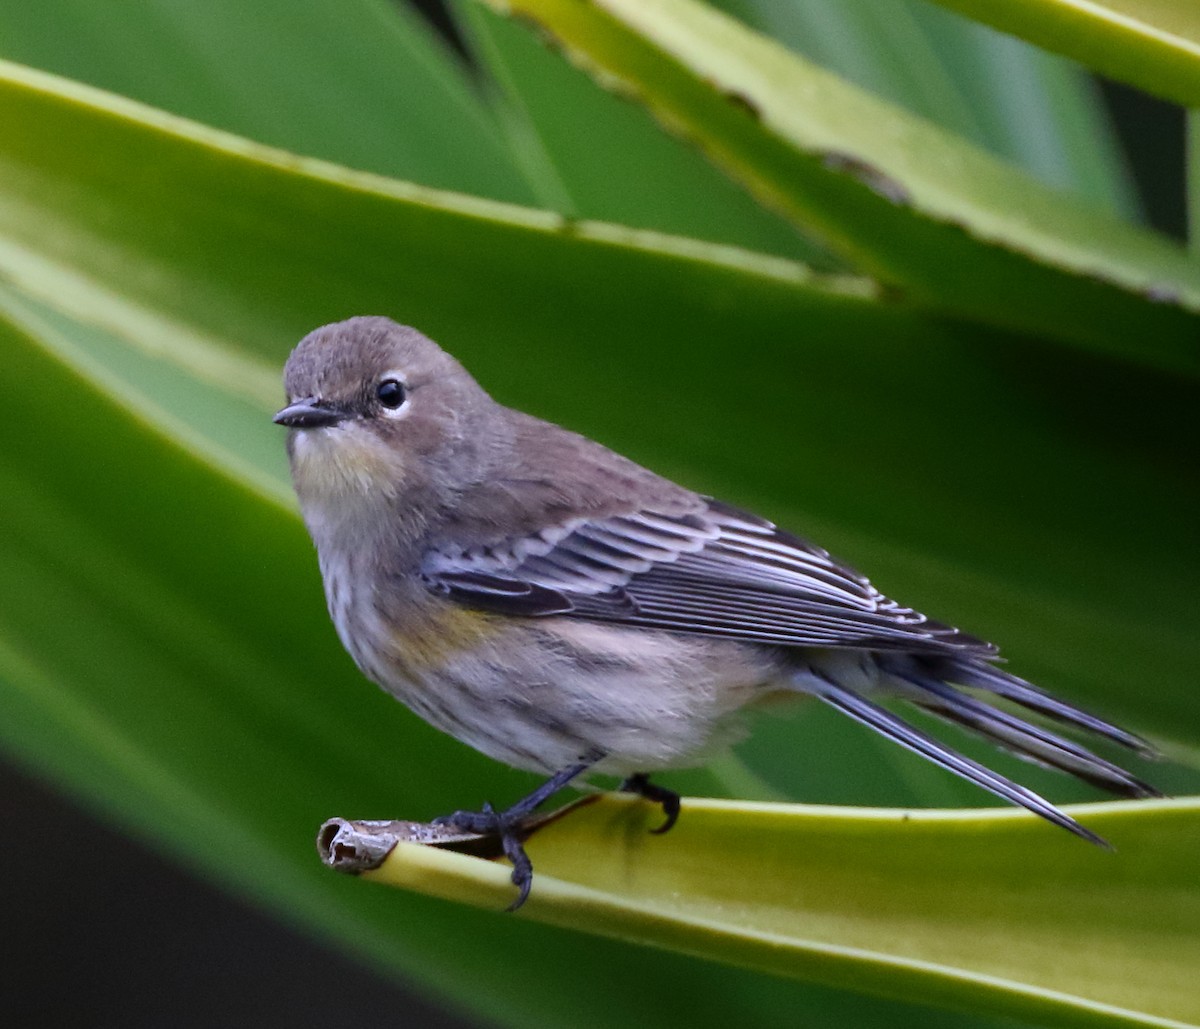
<point>716,571</point>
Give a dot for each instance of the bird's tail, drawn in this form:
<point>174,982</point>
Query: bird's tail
<point>936,686</point>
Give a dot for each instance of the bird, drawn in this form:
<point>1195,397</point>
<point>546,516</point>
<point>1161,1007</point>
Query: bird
<point>568,612</point>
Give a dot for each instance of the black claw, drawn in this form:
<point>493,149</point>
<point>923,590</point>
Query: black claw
<point>669,799</point>
<point>670,806</point>
<point>522,873</point>
<point>509,825</point>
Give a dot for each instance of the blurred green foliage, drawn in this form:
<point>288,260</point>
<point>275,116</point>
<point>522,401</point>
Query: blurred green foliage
<point>163,647</point>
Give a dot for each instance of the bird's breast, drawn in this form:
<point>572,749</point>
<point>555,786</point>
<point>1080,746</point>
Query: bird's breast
<point>396,629</point>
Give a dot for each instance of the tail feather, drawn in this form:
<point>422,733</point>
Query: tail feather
<point>908,736</point>
<point>995,680</point>
<point>1024,739</point>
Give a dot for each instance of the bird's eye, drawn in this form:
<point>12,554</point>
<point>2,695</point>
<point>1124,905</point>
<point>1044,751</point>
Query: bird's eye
<point>391,393</point>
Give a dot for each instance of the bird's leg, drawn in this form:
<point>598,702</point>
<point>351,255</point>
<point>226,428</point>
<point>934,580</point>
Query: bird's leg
<point>509,824</point>
<point>643,787</point>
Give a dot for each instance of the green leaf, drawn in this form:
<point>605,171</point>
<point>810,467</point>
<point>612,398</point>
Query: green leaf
<point>1152,44</point>
<point>894,195</point>
<point>977,911</point>
<point>596,156</point>
<point>1020,103</point>
<point>165,651</point>
<point>363,82</point>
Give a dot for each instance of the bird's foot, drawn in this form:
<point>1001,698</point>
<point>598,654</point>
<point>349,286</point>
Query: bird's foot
<point>510,826</point>
<point>669,799</point>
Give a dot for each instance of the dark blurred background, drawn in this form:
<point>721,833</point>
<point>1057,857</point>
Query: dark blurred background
<point>138,943</point>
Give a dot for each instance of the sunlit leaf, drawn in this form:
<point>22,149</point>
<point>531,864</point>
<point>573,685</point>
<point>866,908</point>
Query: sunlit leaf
<point>892,194</point>
<point>595,156</point>
<point>990,911</point>
<point>1153,44</point>
<point>1033,108</point>
<point>363,82</point>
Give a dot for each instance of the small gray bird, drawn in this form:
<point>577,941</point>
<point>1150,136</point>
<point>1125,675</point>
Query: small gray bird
<point>566,611</point>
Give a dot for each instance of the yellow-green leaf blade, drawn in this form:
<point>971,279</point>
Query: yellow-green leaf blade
<point>1026,106</point>
<point>363,82</point>
<point>968,909</point>
<point>1153,44</point>
<point>894,195</point>
<point>600,158</point>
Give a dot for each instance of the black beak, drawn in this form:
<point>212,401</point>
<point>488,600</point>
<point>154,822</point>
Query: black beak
<point>309,413</point>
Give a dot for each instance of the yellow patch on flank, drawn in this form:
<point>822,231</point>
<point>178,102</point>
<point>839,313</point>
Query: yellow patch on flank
<point>445,631</point>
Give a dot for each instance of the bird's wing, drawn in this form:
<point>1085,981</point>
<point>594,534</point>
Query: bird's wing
<point>715,571</point>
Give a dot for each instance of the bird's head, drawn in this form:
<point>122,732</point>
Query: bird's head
<point>379,411</point>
